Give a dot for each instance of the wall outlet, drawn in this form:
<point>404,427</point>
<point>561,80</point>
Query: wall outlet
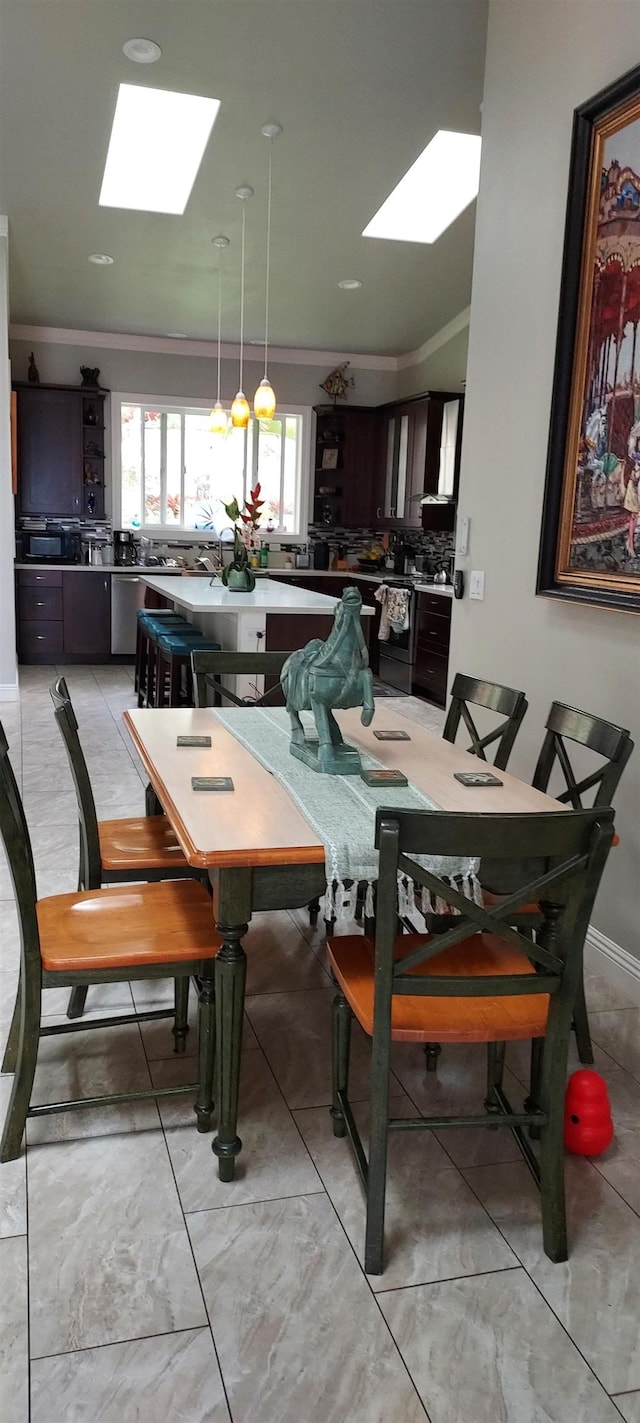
<point>476,584</point>
<point>462,537</point>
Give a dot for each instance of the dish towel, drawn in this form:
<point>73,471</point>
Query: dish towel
<point>396,603</point>
<point>342,812</point>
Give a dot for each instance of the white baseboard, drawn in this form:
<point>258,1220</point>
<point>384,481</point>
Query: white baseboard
<point>9,691</point>
<point>613,963</point>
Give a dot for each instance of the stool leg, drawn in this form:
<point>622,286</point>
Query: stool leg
<point>175,680</point>
<point>159,679</point>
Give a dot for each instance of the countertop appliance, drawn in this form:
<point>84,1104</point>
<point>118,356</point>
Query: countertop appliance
<point>321,554</point>
<point>52,544</point>
<point>124,549</point>
<point>127,595</point>
<point>397,655</point>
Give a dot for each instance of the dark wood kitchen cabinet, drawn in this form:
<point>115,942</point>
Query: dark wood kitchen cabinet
<point>346,454</point>
<point>409,463</point>
<point>62,616</point>
<point>60,451</point>
<point>431,656</point>
<point>86,616</point>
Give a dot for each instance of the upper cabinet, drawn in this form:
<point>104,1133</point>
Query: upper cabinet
<point>60,451</point>
<point>418,454</point>
<point>346,452</point>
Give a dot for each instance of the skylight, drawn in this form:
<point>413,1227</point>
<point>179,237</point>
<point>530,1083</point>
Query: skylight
<point>435,190</point>
<point>156,147</point>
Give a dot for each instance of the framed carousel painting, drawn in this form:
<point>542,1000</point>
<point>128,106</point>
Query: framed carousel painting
<point>590,543</point>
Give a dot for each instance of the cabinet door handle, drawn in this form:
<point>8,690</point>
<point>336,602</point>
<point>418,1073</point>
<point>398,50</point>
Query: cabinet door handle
<point>378,512</point>
<point>40,637</point>
<point>39,605</point>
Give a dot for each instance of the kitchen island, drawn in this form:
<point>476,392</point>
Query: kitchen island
<point>275,617</point>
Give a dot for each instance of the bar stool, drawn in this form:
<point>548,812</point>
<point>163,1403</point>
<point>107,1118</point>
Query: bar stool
<point>145,618</point>
<point>173,674</point>
<point>151,628</point>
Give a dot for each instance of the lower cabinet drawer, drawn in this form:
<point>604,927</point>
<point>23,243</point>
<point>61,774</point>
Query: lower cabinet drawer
<point>40,604</point>
<point>40,642</point>
<point>430,673</point>
<point>39,577</point>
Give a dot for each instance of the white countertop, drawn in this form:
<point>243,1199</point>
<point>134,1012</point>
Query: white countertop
<point>444,590</point>
<point>268,596</point>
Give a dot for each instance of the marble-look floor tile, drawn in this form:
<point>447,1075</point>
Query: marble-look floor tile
<point>629,1406</point>
<point>109,1258</point>
<point>602,994</point>
<point>274,1161</point>
<point>278,958</point>
<point>13,1186</point>
<point>294,1032</point>
<point>620,1163</point>
<point>9,937</point>
<point>91,1064</point>
<point>14,1346</point>
<point>458,1086</point>
<point>518,1059</point>
<point>161,1380</point>
<point>596,1292</point>
<point>618,1034</point>
<point>434,1227</point>
<point>489,1350</point>
<point>277,1275</point>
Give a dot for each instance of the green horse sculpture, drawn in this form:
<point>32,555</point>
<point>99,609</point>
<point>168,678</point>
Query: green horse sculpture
<point>325,675</point>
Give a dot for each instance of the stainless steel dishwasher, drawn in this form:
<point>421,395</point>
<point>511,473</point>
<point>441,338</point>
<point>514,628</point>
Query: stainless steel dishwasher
<point>127,595</point>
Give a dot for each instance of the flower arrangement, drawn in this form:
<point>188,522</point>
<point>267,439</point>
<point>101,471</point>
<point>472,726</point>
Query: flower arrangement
<point>246,522</point>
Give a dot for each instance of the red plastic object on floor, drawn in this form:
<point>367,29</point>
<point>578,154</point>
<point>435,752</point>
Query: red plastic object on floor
<point>588,1127</point>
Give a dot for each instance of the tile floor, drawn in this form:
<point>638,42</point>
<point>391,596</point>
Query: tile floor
<point>136,1288</point>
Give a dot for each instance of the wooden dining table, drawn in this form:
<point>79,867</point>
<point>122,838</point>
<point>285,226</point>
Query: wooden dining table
<point>261,854</point>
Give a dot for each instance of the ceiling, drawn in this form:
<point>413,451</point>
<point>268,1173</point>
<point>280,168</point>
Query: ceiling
<point>359,87</point>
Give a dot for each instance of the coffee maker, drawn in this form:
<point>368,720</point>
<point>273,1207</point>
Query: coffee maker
<point>124,549</point>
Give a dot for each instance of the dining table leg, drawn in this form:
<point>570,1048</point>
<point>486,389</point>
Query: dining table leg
<point>232,904</point>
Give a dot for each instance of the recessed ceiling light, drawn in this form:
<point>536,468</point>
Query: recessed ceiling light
<point>142,51</point>
<point>155,150</point>
<point>436,189</point>
<point>350,284</point>
<point>100,259</point>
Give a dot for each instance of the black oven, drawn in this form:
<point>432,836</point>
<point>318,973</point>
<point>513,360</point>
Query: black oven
<point>52,544</point>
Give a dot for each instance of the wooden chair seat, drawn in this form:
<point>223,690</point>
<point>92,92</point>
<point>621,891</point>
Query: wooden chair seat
<point>478,1019</point>
<point>126,926</point>
<point>144,843</point>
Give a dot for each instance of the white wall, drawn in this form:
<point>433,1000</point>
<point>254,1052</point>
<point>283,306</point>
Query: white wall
<point>543,59</point>
<point>8,672</point>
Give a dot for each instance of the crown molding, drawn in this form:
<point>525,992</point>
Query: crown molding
<point>278,355</point>
<point>445,334</point>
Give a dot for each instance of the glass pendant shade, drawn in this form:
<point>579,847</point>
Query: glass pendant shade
<point>218,420</point>
<point>240,411</point>
<point>264,401</point>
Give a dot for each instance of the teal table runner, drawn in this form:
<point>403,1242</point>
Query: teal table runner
<point>342,812</point>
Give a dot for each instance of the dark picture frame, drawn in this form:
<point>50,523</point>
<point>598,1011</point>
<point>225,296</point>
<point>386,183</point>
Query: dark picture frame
<point>590,537</point>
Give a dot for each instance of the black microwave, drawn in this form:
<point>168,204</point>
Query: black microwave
<point>51,545</point>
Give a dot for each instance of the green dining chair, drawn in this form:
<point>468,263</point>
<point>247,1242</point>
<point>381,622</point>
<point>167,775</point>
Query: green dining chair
<point>482,981</point>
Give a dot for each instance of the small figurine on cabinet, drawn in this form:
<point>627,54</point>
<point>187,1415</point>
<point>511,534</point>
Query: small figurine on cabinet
<point>90,375</point>
<point>33,375</point>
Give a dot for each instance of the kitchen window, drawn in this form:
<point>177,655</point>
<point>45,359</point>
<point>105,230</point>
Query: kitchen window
<point>172,475</point>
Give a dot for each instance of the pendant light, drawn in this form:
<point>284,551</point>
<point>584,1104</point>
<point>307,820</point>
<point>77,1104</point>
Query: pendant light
<point>240,411</point>
<point>218,421</point>
<point>264,400</point>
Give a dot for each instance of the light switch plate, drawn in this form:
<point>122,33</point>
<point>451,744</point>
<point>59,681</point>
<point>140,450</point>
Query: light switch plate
<point>462,539</point>
<point>476,584</point>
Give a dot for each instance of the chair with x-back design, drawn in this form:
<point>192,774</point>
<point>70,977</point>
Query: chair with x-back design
<point>482,981</point>
<point>208,668</point>
<point>505,701</point>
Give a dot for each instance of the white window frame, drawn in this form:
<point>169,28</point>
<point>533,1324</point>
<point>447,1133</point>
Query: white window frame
<point>171,403</point>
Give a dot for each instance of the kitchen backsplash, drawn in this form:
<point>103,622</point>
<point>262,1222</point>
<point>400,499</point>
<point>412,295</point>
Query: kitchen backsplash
<point>434,543</point>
